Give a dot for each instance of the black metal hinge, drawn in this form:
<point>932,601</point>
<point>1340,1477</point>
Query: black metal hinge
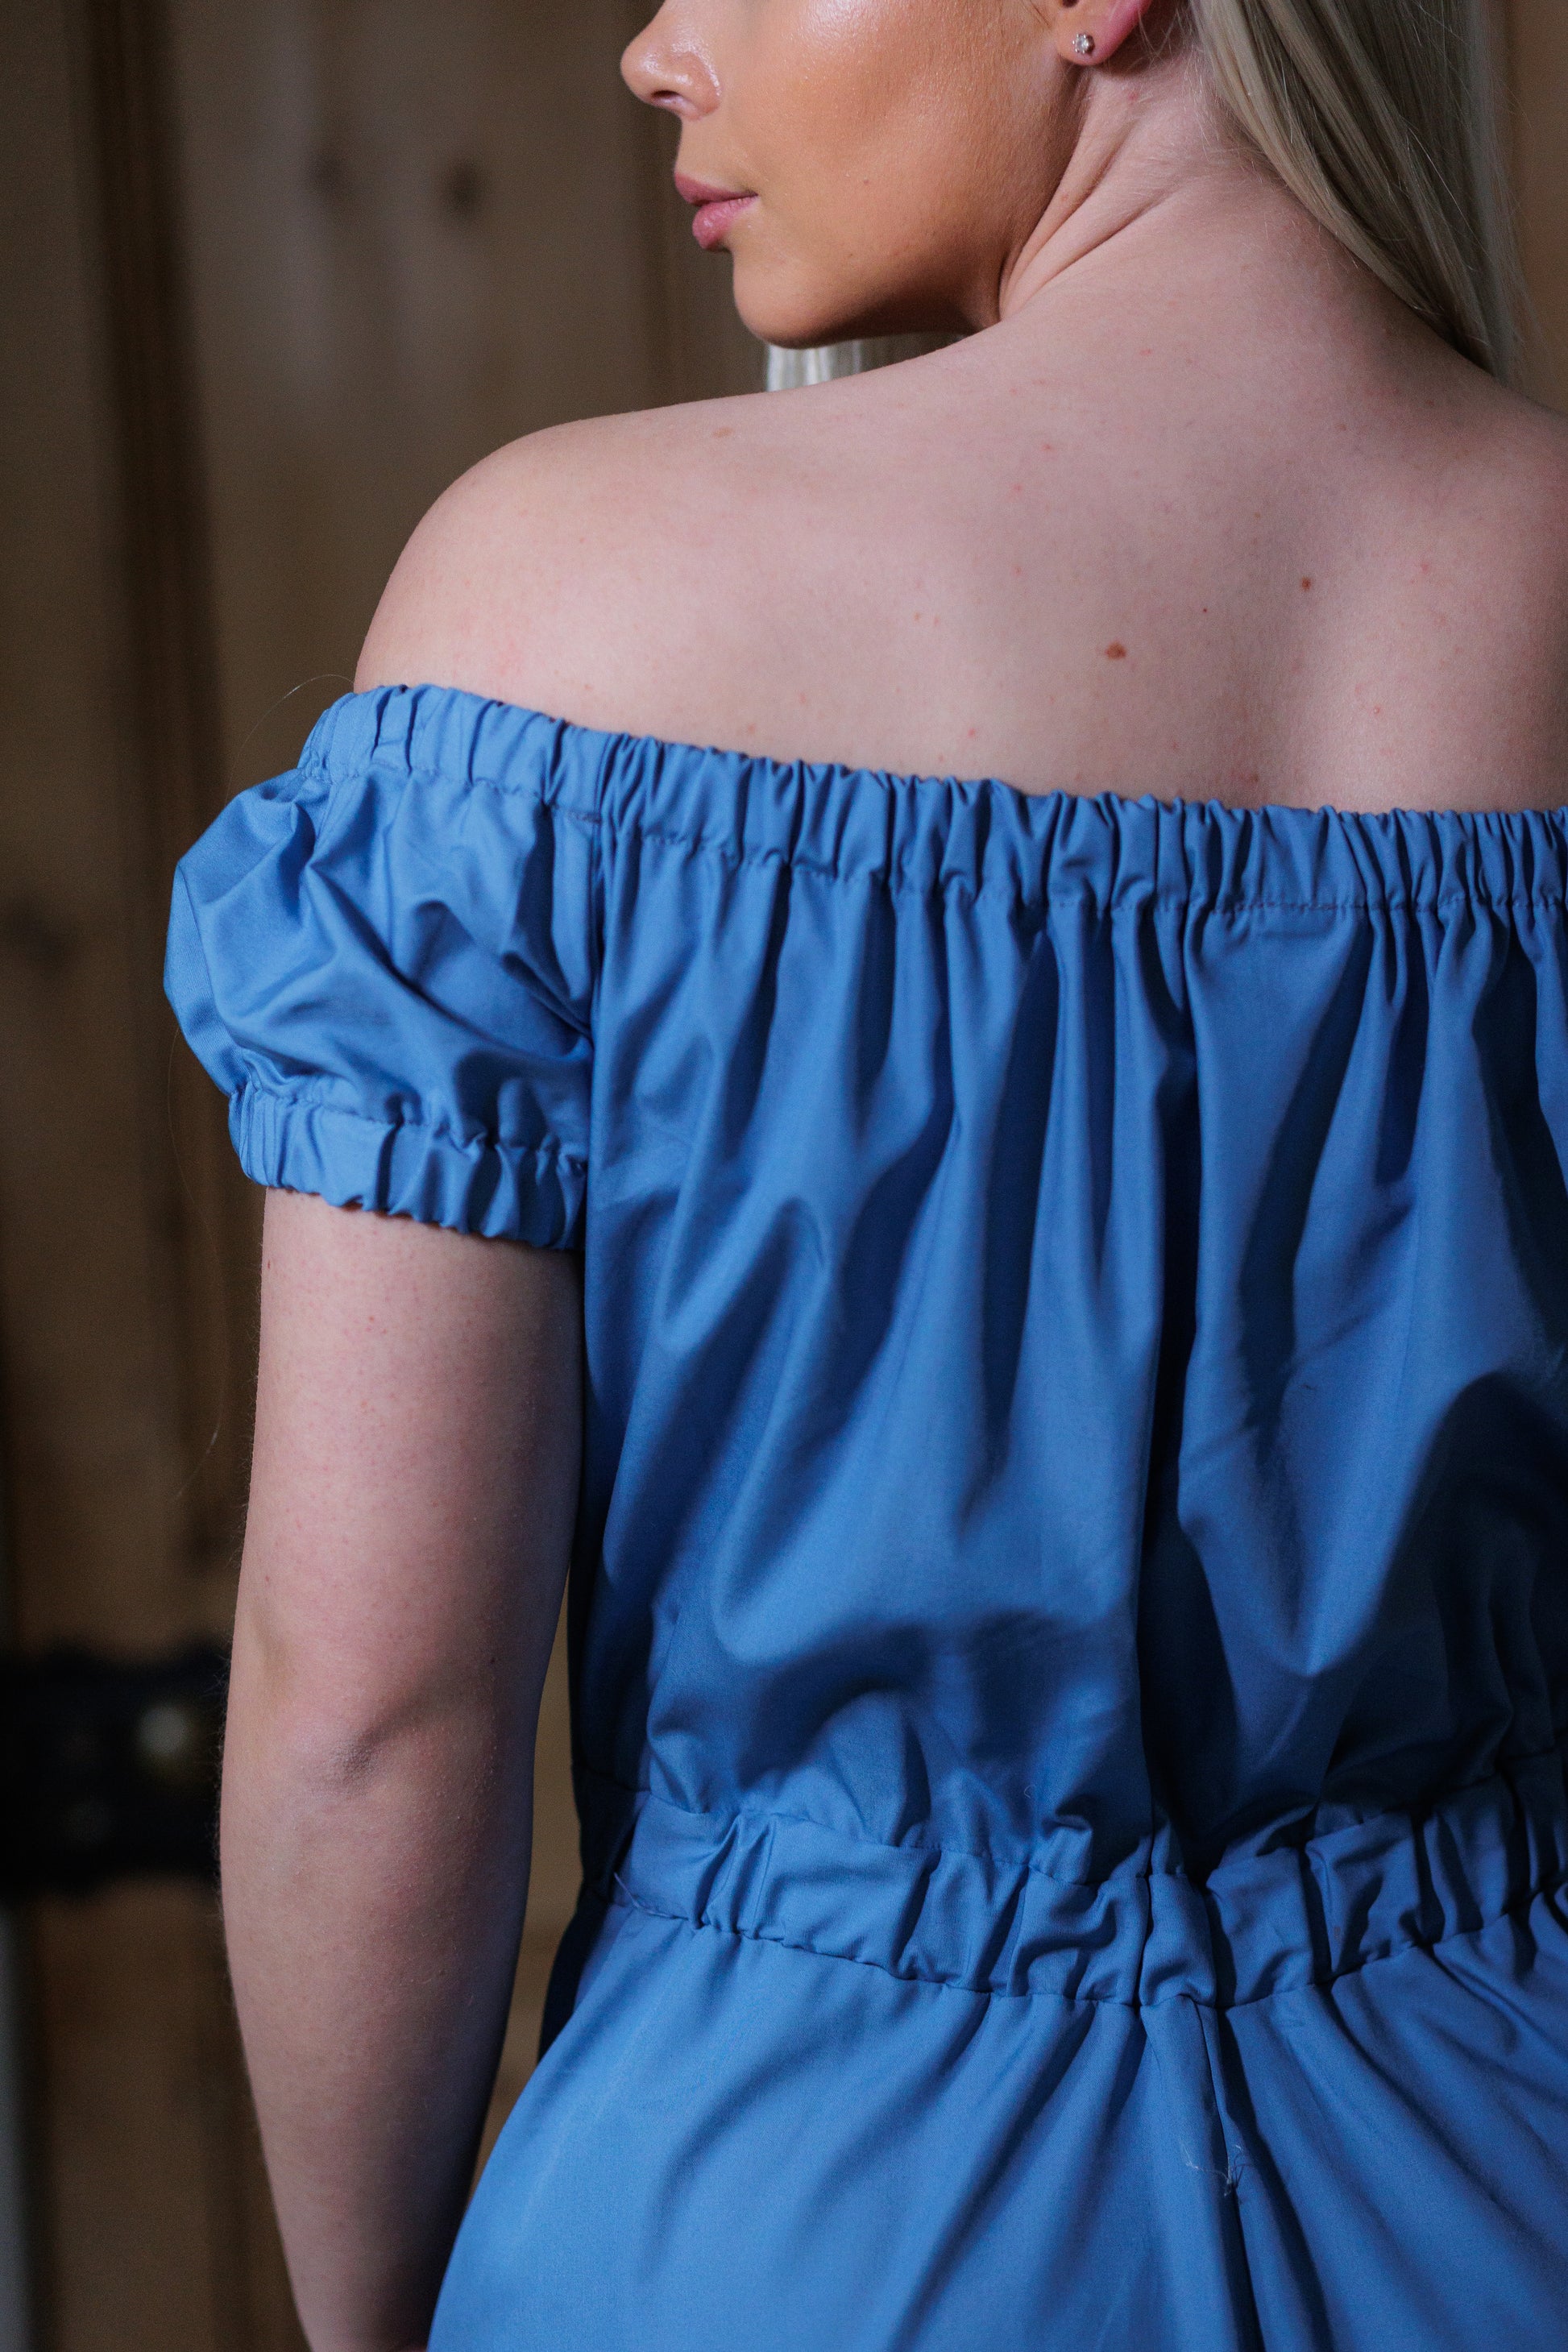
<point>108,1770</point>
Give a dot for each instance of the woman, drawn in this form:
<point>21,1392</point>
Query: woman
<point>1038,1307</point>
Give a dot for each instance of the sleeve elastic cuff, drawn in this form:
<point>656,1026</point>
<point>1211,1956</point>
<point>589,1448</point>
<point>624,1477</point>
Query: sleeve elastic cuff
<point>503,1192</point>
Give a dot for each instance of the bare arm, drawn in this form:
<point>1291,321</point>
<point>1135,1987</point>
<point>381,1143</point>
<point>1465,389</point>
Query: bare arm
<point>412,1503</point>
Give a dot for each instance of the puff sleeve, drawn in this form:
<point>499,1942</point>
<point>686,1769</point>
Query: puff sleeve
<point>385,958</point>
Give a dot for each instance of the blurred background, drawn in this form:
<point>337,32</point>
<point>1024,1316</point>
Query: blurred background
<point>273,274</point>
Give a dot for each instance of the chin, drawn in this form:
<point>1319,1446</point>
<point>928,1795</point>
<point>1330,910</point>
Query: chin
<point>794,319</point>
<point>793,324</point>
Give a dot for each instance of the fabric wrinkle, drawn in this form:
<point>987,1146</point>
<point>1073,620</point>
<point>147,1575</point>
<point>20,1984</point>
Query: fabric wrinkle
<point>1069,1617</point>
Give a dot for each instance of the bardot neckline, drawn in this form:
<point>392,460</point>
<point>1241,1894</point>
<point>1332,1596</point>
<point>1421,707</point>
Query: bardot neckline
<point>911,785</point>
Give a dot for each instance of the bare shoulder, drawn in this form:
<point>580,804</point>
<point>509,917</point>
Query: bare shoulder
<point>1447,680</point>
<point>1510,541</point>
<point>922,571</point>
<point>600,570</point>
<point>1511,487</point>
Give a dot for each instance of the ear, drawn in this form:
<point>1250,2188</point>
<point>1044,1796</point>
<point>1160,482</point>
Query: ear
<point>1088,32</point>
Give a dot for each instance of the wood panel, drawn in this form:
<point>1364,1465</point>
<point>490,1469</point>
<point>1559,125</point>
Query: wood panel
<point>141,2230</point>
<point>158,2222</point>
<point>1538,110</point>
<point>169,717</point>
<point>93,1457</point>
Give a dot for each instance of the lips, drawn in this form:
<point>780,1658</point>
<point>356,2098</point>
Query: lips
<point>714,209</point>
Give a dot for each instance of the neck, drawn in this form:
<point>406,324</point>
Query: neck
<point>1151,156</point>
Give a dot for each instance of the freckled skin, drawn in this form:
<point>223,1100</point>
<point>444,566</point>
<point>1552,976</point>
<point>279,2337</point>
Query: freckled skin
<point>1190,511</point>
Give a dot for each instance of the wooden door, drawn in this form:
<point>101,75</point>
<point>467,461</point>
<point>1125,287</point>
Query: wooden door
<point>1536,38</point>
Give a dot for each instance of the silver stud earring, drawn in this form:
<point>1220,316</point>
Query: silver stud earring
<point>1083,45</point>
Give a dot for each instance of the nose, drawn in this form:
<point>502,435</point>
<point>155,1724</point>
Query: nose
<point>668,63</point>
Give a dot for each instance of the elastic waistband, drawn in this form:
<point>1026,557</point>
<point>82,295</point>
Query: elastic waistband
<point>924,833</point>
<point>1262,1925</point>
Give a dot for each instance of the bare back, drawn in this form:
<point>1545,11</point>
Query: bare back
<point>1267,541</point>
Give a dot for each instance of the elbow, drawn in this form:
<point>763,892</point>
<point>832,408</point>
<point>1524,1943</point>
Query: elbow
<point>325,1730</point>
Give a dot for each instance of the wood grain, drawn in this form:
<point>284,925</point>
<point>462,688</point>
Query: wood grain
<point>138,2189</point>
<point>1537,34</point>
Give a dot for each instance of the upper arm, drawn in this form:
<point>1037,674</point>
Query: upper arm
<point>416,1470</point>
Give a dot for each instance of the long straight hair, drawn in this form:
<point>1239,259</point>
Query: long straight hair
<point>1382,117</point>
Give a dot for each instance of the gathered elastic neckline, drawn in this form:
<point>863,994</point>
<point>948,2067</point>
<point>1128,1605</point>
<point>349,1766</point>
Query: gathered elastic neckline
<point>916,831</point>
<point>892,779</point>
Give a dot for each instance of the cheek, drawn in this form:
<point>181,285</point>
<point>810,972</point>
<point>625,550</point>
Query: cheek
<point>873,102</point>
<point>889,140</point>
<point>853,91</point>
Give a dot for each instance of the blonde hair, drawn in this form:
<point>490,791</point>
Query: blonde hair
<point>1382,117</point>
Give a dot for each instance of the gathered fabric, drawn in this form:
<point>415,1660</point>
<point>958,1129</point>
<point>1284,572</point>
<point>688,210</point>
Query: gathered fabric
<point>1068,1618</point>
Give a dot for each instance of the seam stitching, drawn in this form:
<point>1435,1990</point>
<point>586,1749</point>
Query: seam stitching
<point>1190,900</point>
<point>899,882</point>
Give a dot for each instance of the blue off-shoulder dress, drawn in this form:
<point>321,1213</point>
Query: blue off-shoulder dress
<point>1069,1613</point>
